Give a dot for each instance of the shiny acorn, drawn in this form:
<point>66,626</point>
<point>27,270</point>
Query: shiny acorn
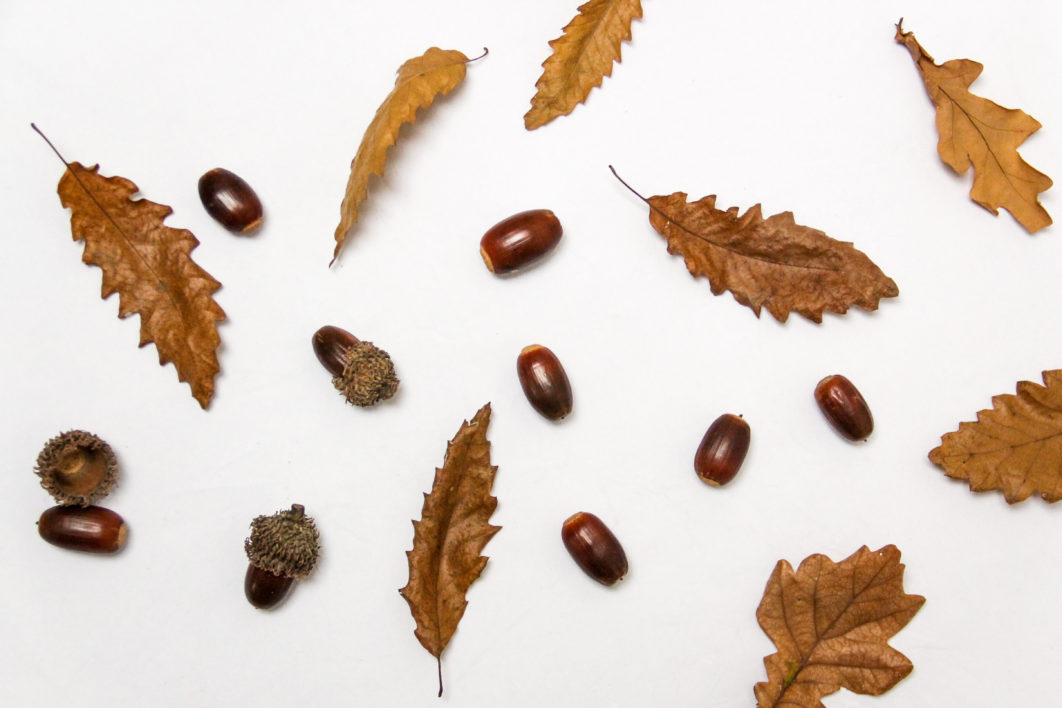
<point>844,407</point>
<point>722,450</point>
<point>594,548</point>
<point>544,381</point>
<point>91,529</point>
<point>361,371</point>
<point>282,548</point>
<point>230,200</point>
<point>520,240</point>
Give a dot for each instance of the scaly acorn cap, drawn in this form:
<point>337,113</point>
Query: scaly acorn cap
<point>285,543</point>
<point>368,375</point>
<point>77,468</point>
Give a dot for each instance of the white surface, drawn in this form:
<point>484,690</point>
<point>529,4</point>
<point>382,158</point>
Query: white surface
<point>809,107</point>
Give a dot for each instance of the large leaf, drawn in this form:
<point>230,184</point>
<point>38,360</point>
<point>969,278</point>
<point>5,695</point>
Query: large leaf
<point>581,58</point>
<point>1015,447</point>
<point>420,80</point>
<point>150,266</point>
<point>773,263</point>
<point>975,131</point>
<point>452,531</point>
<point>831,623</point>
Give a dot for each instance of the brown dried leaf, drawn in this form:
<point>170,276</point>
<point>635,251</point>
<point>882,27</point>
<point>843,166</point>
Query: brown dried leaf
<point>831,623</point>
<point>773,263</point>
<point>1015,447</point>
<point>452,531</point>
<point>420,80</point>
<point>150,266</point>
<point>581,58</point>
<point>976,131</point>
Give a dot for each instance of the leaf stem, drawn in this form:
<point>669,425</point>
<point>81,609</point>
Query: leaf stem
<point>624,183</point>
<point>438,660</point>
<point>485,53</point>
<point>54,149</point>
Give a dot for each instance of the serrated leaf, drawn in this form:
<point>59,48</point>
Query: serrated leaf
<point>975,131</point>
<point>150,266</point>
<point>831,623</point>
<point>420,80</point>
<point>452,531</point>
<point>1015,447</point>
<point>582,56</point>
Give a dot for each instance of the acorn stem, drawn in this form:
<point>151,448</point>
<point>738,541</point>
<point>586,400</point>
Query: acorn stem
<point>298,510</point>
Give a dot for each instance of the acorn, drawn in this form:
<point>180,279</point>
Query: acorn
<point>91,529</point>
<point>544,381</point>
<point>282,548</point>
<point>844,407</point>
<point>722,450</point>
<point>594,548</point>
<point>520,240</point>
<point>77,468</point>
<point>361,371</point>
<point>230,200</point>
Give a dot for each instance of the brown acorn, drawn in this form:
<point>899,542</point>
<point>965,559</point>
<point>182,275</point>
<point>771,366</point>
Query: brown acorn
<point>722,450</point>
<point>91,529</point>
<point>361,371</point>
<point>594,548</point>
<point>77,468</point>
<point>544,381</point>
<point>282,548</point>
<point>230,200</point>
<point>520,240</point>
<point>844,407</point>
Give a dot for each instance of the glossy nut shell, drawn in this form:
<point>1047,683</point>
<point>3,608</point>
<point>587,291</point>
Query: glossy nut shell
<point>544,381</point>
<point>594,548</point>
<point>520,240</point>
<point>91,529</point>
<point>844,407</point>
<point>266,590</point>
<point>722,450</point>
<point>230,200</point>
<point>331,344</point>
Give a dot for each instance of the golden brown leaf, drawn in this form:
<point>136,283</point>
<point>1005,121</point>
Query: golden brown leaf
<point>150,266</point>
<point>452,531</point>
<point>1015,447</point>
<point>831,623</point>
<point>420,80</point>
<point>773,263</point>
<point>581,58</point>
<point>976,131</point>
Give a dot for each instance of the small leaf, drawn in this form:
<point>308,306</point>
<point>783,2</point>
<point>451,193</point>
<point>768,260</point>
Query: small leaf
<point>831,623</point>
<point>773,263</point>
<point>420,80</point>
<point>447,541</point>
<point>1015,447</point>
<point>976,131</point>
<point>581,58</point>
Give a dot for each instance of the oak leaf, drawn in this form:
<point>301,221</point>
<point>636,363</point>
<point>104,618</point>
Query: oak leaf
<point>1015,447</point>
<point>420,80</point>
<point>452,531</point>
<point>831,623</point>
<point>581,58</point>
<point>773,263</point>
<point>975,131</point>
<point>150,266</point>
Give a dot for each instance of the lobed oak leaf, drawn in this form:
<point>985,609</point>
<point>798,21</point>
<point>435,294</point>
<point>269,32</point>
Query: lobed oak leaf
<point>975,131</point>
<point>581,58</point>
<point>150,266</point>
<point>452,531</point>
<point>420,80</point>
<point>771,263</point>
<point>1015,447</point>
<point>831,623</point>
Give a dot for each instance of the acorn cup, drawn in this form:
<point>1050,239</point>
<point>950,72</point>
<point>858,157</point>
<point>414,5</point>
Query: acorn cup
<point>282,548</point>
<point>361,371</point>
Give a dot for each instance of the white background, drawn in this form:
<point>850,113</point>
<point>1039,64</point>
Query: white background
<point>810,107</point>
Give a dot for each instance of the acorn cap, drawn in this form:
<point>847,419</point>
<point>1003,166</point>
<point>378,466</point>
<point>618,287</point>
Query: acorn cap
<point>368,375</point>
<point>285,543</point>
<point>77,468</point>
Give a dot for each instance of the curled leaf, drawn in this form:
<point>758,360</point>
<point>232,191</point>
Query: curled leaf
<point>773,263</point>
<point>581,58</point>
<point>1015,447</point>
<point>975,131</point>
<point>831,623</point>
<point>420,80</point>
<point>452,531</point>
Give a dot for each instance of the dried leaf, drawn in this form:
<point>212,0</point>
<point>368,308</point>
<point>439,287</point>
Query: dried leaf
<point>1015,447</point>
<point>150,266</point>
<point>976,131</point>
<point>831,623</point>
<point>581,58</point>
<point>420,80</point>
<point>452,531</point>
<point>773,263</point>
